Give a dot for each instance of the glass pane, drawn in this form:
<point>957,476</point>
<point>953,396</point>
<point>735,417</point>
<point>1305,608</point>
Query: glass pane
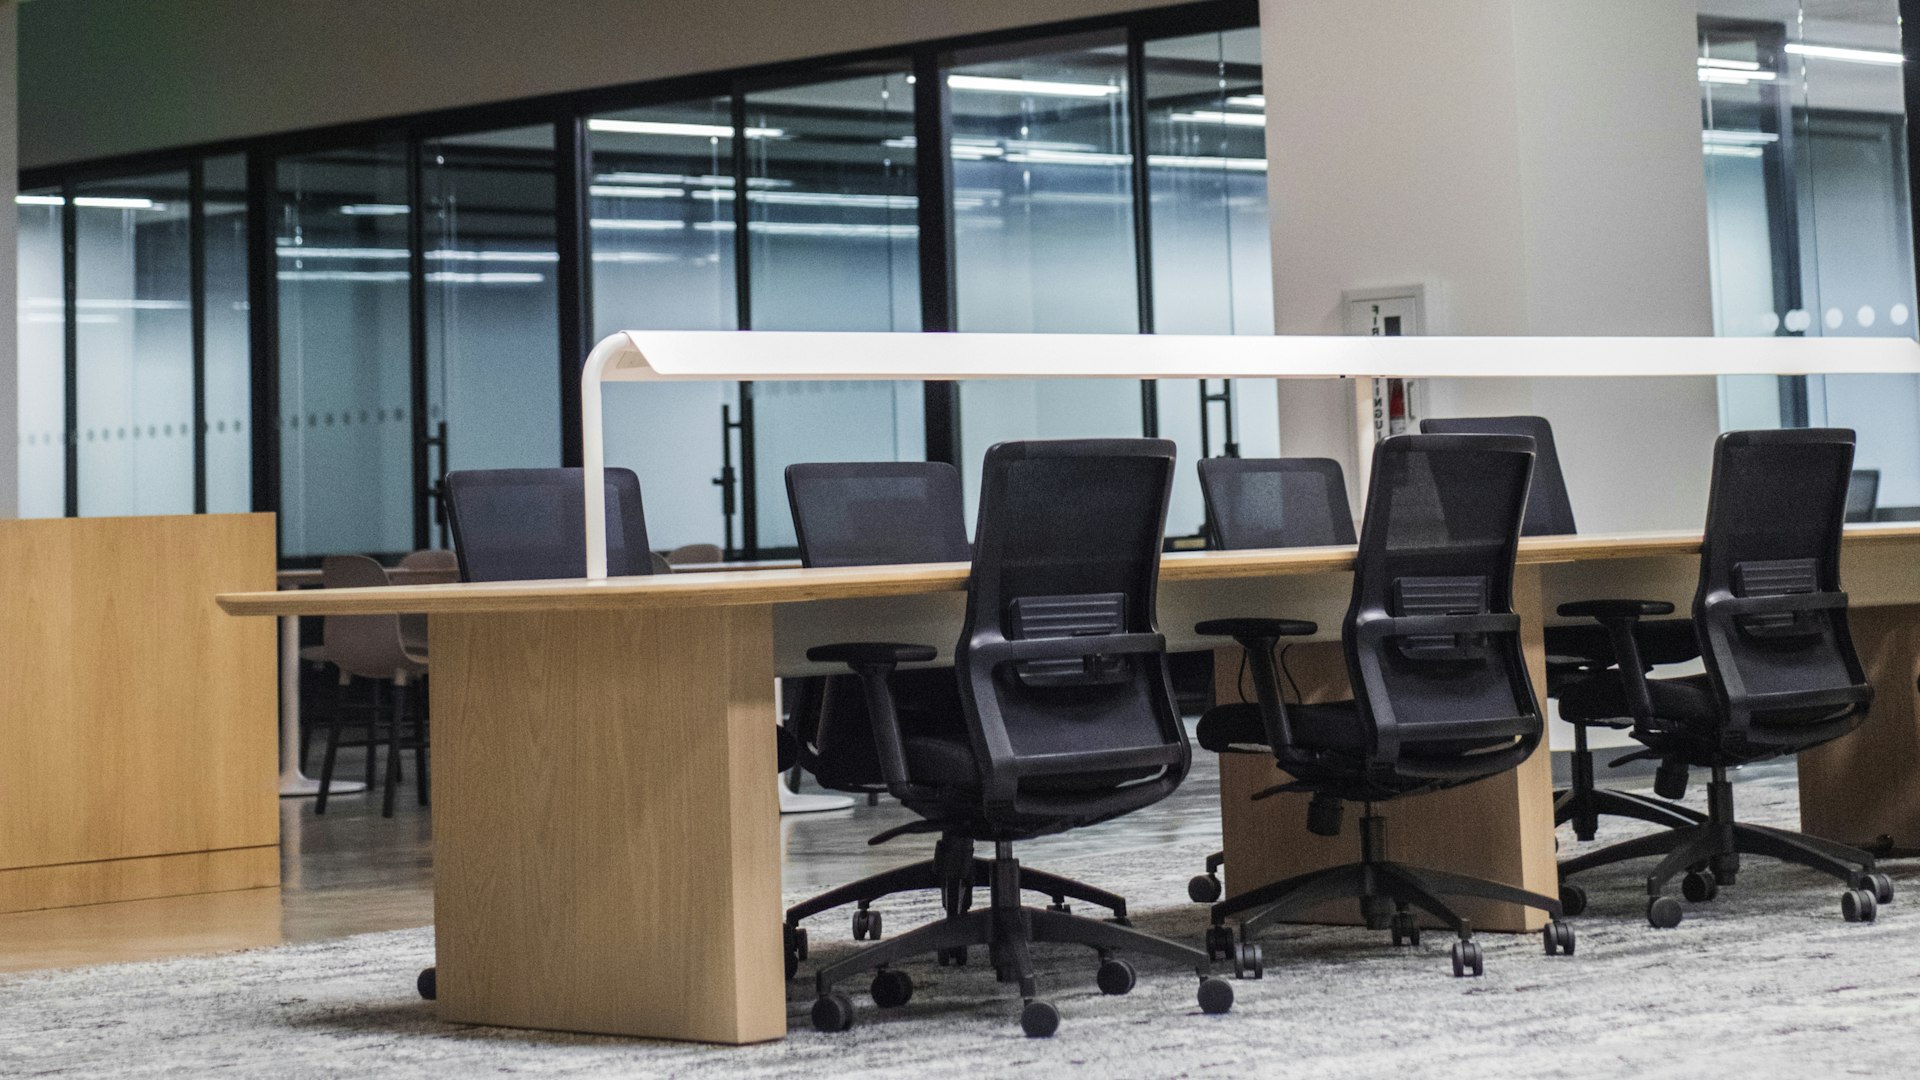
<point>1212,271</point>
<point>43,356</point>
<point>346,457</point>
<point>833,245</point>
<point>493,381</point>
<point>1043,229</point>
<point>662,236</point>
<point>229,348</point>
<point>135,356</point>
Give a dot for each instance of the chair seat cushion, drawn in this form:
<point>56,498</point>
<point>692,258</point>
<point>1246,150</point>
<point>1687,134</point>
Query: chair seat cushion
<point>946,761</point>
<point>1602,699</point>
<point>1332,725</point>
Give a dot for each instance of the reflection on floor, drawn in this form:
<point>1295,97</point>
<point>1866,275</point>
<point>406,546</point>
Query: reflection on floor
<point>353,872</point>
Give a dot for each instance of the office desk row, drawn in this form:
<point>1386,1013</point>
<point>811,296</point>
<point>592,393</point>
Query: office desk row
<point>606,844</point>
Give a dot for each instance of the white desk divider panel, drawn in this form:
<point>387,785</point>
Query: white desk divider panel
<point>668,355</point>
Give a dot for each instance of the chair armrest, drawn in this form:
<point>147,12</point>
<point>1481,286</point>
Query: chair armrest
<point>874,661</point>
<point>1255,629</point>
<point>1614,609</point>
<point>1067,648</point>
<point>857,653</point>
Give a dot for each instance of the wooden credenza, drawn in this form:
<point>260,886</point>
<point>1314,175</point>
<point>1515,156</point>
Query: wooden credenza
<point>137,722</point>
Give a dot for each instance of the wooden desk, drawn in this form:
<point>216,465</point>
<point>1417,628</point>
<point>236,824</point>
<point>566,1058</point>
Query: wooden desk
<point>138,723</point>
<point>606,855</point>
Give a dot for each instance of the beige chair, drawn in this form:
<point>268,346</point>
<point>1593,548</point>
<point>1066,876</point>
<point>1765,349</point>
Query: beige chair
<point>372,647</point>
<point>694,553</point>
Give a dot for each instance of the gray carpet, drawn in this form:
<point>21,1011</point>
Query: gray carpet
<point>1765,981</point>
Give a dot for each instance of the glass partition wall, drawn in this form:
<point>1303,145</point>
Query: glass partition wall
<point>321,325</point>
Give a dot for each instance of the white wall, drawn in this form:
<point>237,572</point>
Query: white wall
<point>1536,165</point>
<point>105,77</point>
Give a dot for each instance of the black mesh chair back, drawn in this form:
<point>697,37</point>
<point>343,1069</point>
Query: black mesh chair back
<point>1769,611</point>
<point>877,513</point>
<point>1549,510</point>
<point>1433,647</point>
<point>1863,494</point>
<point>530,524</point>
<point>1060,663</point>
<point>1276,502</point>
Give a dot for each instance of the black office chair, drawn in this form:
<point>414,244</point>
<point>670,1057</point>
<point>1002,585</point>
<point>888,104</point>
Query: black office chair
<point>1781,673</point>
<point>531,525</point>
<point>1069,714</point>
<point>1579,652</point>
<point>1863,495</point>
<point>1270,503</point>
<point>1442,696</point>
<point>877,514</point>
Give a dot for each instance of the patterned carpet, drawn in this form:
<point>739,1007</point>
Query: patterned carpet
<point>1765,981</point>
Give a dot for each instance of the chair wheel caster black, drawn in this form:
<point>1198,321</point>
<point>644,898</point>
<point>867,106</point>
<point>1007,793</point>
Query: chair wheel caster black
<point>1115,977</point>
<point>1216,995</point>
<point>954,957</point>
<point>1858,905</point>
<point>1880,885</point>
<point>428,983</point>
<point>866,925</point>
<point>1406,929</point>
<point>1203,889</point>
<point>1219,943</point>
<point>832,1011</point>
<point>1039,1019</point>
<point>1699,886</point>
<point>1664,913</point>
<point>1573,899</point>
<point>1061,906</point>
<point>1468,959</point>
<point>1558,937</point>
<point>1247,961</point>
<point>891,989</point>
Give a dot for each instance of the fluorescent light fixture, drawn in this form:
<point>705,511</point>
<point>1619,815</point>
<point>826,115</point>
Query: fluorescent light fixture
<point>1725,150</point>
<point>487,277</point>
<point>1738,137</point>
<point>621,191</point>
<point>299,251</point>
<point>494,256</point>
<point>1735,78</point>
<point>374,209</point>
<point>1230,164</point>
<point>824,198</point>
<point>1068,157</point>
<point>98,202</point>
<point>1237,119</point>
<point>662,127</point>
<point>384,276</point>
<point>633,257</point>
<point>989,84</point>
<point>1248,101</point>
<point>1852,56</point>
<point>637,225</point>
<point>1728,65</point>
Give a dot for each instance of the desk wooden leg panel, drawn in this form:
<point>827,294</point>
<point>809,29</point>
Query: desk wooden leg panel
<point>1865,788</point>
<point>1500,828</point>
<point>605,824</point>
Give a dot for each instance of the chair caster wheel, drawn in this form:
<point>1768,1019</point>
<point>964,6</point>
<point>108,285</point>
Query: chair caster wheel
<point>1699,886</point>
<point>1858,905</point>
<point>1468,960</point>
<point>1880,885</point>
<point>1219,943</point>
<point>1039,1019</point>
<point>1558,937</point>
<point>1115,977</point>
<point>954,957</point>
<point>1203,889</point>
<point>428,983</point>
<point>891,989</point>
<point>832,1011</point>
<point>1573,899</point>
<point>1406,929</point>
<point>866,925</point>
<point>1216,995</point>
<point>1663,912</point>
<point>1061,906</point>
<point>1247,961</point>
